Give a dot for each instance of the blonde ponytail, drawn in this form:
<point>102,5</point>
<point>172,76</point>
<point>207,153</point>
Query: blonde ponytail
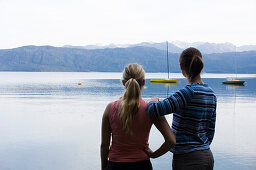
<point>133,76</point>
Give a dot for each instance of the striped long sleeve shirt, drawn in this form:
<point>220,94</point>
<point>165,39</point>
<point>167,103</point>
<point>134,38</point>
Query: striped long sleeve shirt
<point>194,116</point>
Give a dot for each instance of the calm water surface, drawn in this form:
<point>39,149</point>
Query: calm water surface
<point>48,122</point>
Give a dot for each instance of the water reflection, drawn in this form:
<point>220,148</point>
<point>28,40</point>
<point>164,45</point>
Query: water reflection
<point>46,119</point>
<point>167,86</point>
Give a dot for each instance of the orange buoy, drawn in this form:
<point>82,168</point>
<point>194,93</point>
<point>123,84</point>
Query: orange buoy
<point>79,84</point>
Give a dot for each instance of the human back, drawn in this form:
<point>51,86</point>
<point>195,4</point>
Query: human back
<point>193,124</point>
<point>129,147</point>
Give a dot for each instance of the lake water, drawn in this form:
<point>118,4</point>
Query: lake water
<point>48,122</point>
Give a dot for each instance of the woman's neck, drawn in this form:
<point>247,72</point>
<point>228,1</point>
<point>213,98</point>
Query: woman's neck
<point>197,79</point>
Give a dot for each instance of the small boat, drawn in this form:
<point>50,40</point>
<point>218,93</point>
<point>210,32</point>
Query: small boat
<point>165,81</point>
<point>234,82</point>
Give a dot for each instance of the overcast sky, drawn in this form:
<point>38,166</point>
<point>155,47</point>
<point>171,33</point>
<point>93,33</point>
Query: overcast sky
<point>83,22</point>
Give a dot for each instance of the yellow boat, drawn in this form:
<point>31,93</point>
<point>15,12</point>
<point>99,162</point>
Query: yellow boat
<point>164,81</point>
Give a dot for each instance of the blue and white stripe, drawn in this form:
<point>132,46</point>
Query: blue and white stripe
<point>194,116</point>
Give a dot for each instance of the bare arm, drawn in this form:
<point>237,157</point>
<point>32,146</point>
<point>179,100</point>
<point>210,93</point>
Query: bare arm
<point>105,137</point>
<point>170,140</point>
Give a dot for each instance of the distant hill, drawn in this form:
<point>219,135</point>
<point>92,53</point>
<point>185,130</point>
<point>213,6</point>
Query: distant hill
<point>178,46</point>
<point>48,58</point>
<point>247,48</point>
<point>161,46</point>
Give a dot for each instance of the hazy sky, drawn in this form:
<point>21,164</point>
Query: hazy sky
<point>83,22</point>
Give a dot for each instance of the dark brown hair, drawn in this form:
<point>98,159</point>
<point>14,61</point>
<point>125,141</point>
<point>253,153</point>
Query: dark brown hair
<point>192,62</point>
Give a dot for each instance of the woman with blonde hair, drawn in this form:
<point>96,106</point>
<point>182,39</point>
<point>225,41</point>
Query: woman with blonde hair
<point>126,124</point>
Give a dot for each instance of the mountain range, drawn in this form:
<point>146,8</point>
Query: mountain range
<point>178,46</point>
<point>49,58</point>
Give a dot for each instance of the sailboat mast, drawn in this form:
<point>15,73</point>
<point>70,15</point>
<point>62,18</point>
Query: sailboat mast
<point>167,58</point>
<point>236,63</point>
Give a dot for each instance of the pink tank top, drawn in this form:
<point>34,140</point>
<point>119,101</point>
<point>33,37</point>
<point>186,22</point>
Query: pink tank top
<point>128,147</point>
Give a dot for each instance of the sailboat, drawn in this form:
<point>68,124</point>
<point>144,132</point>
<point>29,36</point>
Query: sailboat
<point>168,80</point>
<point>234,81</point>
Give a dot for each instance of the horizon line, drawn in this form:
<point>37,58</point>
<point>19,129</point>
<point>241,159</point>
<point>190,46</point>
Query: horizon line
<point>125,45</point>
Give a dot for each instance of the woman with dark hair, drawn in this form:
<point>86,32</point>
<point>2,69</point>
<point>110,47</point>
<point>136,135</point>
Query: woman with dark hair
<point>194,116</point>
<point>127,123</point>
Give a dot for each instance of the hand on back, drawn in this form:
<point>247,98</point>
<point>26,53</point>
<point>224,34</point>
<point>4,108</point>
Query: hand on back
<point>156,99</point>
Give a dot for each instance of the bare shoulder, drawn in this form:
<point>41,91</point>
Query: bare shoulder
<point>107,110</point>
